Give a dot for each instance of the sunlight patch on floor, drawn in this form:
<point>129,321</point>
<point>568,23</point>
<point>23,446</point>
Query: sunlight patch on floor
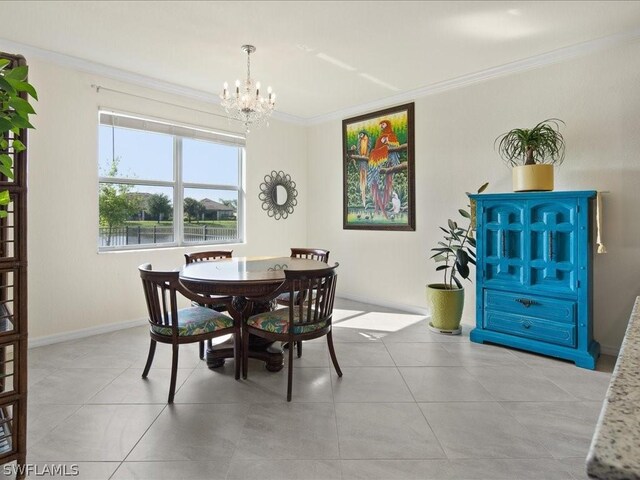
<point>344,314</point>
<point>379,321</point>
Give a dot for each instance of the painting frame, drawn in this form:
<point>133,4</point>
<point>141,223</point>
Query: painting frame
<point>374,144</point>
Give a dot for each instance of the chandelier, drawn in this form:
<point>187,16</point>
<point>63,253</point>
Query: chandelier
<point>246,104</point>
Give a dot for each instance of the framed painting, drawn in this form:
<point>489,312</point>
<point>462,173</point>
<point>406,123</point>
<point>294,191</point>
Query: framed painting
<point>379,178</point>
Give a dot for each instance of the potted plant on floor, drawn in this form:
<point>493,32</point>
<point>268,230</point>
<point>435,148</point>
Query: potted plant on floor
<point>532,153</point>
<point>453,257</point>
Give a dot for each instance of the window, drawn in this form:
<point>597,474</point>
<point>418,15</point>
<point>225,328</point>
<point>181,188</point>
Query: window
<point>162,184</point>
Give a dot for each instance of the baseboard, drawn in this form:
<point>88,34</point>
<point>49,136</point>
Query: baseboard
<point>382,303</point>
<point>84,332</point>
<point>609,350</point>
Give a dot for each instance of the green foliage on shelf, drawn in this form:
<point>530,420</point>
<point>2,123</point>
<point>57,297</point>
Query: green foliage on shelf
<point>14,116</point>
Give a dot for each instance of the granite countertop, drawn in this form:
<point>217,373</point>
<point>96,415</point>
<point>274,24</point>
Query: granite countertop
<point>615,447</point>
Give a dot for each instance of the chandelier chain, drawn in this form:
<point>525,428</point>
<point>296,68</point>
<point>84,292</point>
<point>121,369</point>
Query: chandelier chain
<point>249,65</point>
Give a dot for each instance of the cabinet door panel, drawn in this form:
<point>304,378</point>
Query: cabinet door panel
<point>553,246</point>
<point>503,230</point>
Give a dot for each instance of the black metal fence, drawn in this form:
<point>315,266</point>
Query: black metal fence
<point>139,235</point>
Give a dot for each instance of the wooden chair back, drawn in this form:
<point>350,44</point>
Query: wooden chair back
<point>311,253</point>
<point>319,286</point>
<point>204,256</point>
<point>160,293</point>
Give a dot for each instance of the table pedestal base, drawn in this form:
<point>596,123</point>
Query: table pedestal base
<point>269,352</point>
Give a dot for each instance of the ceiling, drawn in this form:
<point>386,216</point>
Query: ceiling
<point>320,57</point>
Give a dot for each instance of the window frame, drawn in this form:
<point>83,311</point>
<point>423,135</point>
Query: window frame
<point>177,183</point>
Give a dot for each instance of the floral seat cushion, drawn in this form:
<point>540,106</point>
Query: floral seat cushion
<point>277,321</point>
<point>195,321</point>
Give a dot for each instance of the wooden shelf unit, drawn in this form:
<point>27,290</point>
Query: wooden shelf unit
<point>13,307</point>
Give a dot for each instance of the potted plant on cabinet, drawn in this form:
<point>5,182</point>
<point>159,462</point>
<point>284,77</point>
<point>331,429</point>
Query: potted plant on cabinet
<point>532,153</point>
<point>453,256</point>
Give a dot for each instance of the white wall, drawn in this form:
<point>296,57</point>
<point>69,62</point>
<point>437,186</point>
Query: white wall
<point>72,286</point>
<point>598,98</point>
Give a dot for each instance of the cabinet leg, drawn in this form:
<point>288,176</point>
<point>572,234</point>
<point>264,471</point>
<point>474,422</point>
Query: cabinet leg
<point>476,336</point>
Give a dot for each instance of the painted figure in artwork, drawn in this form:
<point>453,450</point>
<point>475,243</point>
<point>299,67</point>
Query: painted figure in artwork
<point>395,204</point>
<point>382,157</point>
<point>393,159</point>
<point>377,159</point>
<point>364,147</point>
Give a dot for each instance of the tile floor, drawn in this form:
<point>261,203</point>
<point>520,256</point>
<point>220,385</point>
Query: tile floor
<point>411,405</point>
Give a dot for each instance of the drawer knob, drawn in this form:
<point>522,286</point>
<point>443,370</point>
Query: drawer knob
<point>526,302</point>
<point>526,324</point>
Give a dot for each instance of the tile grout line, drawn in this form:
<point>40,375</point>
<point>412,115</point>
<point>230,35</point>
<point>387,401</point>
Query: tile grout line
<point>150,425</point>
<point>415,402</point>
<point>142,436</point>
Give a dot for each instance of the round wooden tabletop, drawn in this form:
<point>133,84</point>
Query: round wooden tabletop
<point>243,276</point>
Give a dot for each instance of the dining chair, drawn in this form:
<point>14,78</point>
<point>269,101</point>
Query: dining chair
<point>168,324</point>
<point>312,254</point>
<point>301,320</point>
<point>203,257</point>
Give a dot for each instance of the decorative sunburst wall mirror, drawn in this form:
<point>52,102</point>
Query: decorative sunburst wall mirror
<point>278,194</point>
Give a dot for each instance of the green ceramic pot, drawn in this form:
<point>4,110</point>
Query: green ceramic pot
<point>446,306</point>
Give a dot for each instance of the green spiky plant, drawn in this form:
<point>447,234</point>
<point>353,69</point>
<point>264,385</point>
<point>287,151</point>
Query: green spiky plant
<point>458,249</point>
<point>541,144</point>
<point>14,116</point>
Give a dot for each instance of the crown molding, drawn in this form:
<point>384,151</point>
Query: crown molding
<point>113,73</point>
<point>536,61</point>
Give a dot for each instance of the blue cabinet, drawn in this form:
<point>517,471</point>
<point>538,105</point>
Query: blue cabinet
<point>534,273</point>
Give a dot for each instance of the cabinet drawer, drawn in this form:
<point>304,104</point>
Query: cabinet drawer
<point>530,327</point>
<point>531,306</point>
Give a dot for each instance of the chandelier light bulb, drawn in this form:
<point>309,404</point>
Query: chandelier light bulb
<point>247,105</point>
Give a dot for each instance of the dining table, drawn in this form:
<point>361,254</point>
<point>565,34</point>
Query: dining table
<point>249,281</point>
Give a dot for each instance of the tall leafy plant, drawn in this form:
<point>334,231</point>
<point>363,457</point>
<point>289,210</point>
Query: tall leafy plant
<point>541,144</point>
<point>116,202</point>
<point>458,250</point>
<point>14,116</point>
